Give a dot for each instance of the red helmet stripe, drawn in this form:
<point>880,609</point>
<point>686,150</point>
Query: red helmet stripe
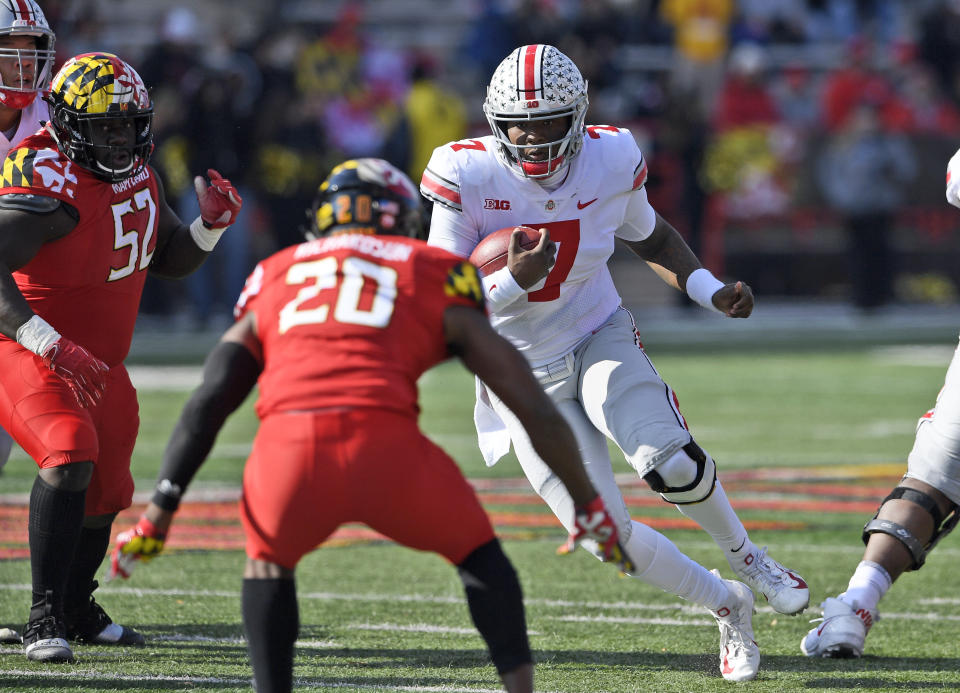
<point>26,12</point>
<point>530,62</point>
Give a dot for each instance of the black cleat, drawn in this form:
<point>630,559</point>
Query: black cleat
<point>94,627</point>
<point>44,640</point>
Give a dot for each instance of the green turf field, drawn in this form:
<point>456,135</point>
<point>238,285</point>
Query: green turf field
<point>806,441</point>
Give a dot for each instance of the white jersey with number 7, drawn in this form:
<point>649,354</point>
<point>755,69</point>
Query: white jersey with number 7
<point>475,194</point>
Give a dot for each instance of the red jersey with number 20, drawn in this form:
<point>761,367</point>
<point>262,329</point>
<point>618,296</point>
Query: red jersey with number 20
<point>353,320</point>
<point>87,284</point>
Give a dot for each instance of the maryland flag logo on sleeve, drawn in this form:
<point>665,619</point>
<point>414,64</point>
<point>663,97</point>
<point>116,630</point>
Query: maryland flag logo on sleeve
<point>39,169</point>
<point>463,280</point>
<point>17,171</point>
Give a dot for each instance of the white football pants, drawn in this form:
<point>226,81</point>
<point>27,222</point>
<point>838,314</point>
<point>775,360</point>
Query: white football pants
<point>607,387</point>
<point>935,457</point>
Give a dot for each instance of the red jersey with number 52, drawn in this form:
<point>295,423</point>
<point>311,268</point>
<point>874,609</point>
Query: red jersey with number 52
<point>87,284</point>
<point>353,320</point>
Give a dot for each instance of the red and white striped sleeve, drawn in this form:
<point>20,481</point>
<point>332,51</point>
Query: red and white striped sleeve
<point>440,183</point>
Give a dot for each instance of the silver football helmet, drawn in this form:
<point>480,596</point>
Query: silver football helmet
<point>25,18</point>
<point>537,82</point>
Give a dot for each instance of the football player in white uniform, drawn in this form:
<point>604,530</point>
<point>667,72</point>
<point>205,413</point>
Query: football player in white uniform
<point>916,515</point>
<point>26,62</point>
<point>583,187</point>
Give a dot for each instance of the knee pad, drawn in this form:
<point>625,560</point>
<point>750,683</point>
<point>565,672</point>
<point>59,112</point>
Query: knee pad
<point>918,549</point>
<point>689,476</point>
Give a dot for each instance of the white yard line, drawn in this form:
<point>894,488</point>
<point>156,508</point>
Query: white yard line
<point>413,628</point>
<point>632,619</point>
<point>76,673</point>
<point>679,608</point>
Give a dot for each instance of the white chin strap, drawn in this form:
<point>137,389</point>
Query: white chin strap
<point>106,169</point>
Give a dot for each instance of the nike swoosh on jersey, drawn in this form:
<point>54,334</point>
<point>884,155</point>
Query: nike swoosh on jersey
<point>581,205</point>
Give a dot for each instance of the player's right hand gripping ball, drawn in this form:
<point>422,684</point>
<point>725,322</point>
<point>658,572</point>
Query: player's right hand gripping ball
<point>141,542</point>
<point>593,522</point>
<point>219,203</point>
<point>84,373</point>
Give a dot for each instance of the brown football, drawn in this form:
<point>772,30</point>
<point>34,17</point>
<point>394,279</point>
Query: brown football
<point>491,253</point>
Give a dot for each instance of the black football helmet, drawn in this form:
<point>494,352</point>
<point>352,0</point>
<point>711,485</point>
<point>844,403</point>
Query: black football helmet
<point>366,196</point>
<point>88,90</point>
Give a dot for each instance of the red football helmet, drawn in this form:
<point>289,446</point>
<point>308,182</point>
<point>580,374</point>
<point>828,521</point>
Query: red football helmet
<point>25,18</point>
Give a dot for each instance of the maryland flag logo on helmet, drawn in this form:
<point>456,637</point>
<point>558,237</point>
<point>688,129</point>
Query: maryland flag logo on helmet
<point>99,83</point>
<point>95,86</point>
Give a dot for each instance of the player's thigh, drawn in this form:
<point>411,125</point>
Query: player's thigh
<point>294,495</point>
<point>407,488</point>
<point>41,413</point>
<point>624,396</point>
<point>591,444</point>
<point>935,457</point>
<point>117,418</point>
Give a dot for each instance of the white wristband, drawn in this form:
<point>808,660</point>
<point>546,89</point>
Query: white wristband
<point>701,286</point>
<point>205,238</point>
<point>37,335</point>
<point>501,289</point>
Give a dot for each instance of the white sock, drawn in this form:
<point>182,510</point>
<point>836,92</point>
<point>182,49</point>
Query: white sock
<point>869,582</point>
<point>659,562</point>
<point>718,519</point>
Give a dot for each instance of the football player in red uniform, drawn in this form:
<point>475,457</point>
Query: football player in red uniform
<point>337,331</point>
<point>82,218</point>
<point>26,61</point>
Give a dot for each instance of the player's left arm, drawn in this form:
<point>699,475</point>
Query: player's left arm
<point>229,374</point>
<point>671,258</point>
<point>182,248</point>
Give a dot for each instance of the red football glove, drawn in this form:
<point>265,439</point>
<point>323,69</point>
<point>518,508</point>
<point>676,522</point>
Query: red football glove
<point>83,372</point>
<point>141,542</point>
<point>593,522</point>
<point>219,203</point>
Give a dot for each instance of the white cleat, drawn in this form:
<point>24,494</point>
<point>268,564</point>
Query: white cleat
<point>841,632</point>
<point>785,591</point>
<point>739,654</point>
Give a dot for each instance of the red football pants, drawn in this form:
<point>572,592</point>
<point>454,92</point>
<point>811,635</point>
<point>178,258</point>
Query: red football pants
<point>310,472</point>
<point>43,416</point>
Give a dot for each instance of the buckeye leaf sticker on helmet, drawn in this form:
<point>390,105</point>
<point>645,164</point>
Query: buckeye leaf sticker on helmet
<point>537,82</point>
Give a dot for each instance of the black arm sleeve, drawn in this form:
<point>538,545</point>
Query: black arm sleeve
<point>229,374</point>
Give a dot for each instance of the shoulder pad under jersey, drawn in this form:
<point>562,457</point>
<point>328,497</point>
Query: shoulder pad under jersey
<point>620,154</point>
<point>466,162</point>
<point>24,202</point>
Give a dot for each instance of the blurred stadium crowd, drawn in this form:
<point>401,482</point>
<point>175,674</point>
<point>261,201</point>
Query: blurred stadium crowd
<point>799,144</point>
